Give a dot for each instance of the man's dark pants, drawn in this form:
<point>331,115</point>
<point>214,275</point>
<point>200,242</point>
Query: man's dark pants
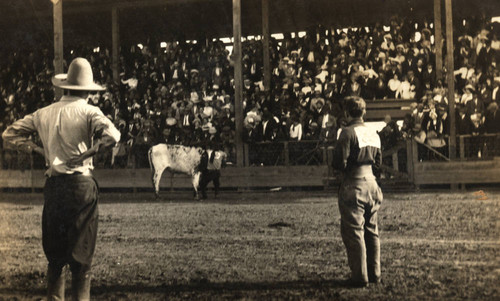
<point>208,176</point>
<point>359,201</point>
<point>69,232</point>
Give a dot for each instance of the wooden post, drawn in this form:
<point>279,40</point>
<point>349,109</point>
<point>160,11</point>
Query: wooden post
<point>325,156</point>
<point>438,39</point>
<point>246,157</point>
<point>409,159</point>
<point>414,150</point>
<point>462,147</point>
<point>115,38</point>
<point>238,82</point>
<point>395,161</point>
<point>450,78</point>
<point>265,44</point>
<point>286,153</point>
<point>58,41</point>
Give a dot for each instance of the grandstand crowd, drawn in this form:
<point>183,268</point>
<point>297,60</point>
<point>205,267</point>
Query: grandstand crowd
<point>183,92</point>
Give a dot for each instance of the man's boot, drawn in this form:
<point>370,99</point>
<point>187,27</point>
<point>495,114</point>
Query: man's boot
<point>80,288</point>
<point>55,284</point>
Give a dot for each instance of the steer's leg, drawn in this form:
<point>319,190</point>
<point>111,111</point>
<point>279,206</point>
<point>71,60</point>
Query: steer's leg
<point>157,172</point>
<point>196,184</point>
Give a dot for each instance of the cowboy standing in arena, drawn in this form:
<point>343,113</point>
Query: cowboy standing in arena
<point>70,213</point>
<point>358,156</point>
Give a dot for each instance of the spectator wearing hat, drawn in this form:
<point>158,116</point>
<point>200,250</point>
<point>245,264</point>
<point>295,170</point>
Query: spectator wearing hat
<point>474,147</point>
<point>355,86</point>
<point>206,109</point>
<point>295,132</point>
<point>475,105</point>
<point>186,119</point>
<point>387,44</point>
<point>328,127</point>
<point>197,133</point>
<point>487,55</point>
<point>265,128</point>
<point>463,122</point>
<point>492,119</point>
<point>410,63</point>
<point>213,139</point>
<point>429,77</point>
<point>251,133</point>
<point>390,134</point>
<point>485,92</point>
<point>177,73</point>
<point>419,71</point>
<point>312,131</point>
<point>132,81</point>
<point>442,111</point>
<point>143,142</point>
<point>415,85</point>
<point>435,132</point>
<point>317,103</point>
<point>266,133</point>
<point>468,94</point>
<point>171,133</point>
<point>227,140</point>
<point>120,151</point>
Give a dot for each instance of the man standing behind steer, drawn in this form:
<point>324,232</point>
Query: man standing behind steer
<point>70,213</point>
<point>358,156</point>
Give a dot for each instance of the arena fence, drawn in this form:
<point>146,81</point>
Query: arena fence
<point>291,163</point>
<point>306,152</point>
<point>396,108</point>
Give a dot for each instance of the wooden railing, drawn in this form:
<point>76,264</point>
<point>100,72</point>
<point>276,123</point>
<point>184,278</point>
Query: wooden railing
<point>287,153</point>
<point>396,108</point>
<point>312,158</point>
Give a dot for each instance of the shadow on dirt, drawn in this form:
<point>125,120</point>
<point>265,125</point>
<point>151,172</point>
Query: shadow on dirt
<point>205,286</point>
<point>201,287</point>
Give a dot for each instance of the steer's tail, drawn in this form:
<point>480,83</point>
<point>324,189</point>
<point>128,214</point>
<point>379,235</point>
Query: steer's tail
<point>150,154</point>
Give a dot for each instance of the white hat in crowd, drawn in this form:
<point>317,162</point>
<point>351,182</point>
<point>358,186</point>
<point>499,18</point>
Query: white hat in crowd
<point>79,77</point>
<point>171,121</point>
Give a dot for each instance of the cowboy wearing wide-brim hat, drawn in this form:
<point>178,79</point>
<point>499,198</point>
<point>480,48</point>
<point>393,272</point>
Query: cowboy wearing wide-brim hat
<point>78,78</point>
<point>70,214</point>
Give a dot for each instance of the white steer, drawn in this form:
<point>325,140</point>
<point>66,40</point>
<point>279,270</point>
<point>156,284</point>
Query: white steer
<point>178,159</point>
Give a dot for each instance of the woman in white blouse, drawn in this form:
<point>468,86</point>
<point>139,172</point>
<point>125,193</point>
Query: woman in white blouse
<point>296,130</point>
<point>393,86</point>
<point>404,90</point>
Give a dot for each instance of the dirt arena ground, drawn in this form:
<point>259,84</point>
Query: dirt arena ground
<point>261,246</point>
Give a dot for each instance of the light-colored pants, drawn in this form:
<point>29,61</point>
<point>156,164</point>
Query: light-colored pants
<point>359,201</point>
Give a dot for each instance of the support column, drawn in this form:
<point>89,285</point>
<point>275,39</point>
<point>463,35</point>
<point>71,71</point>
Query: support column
<point>438,40</point>
<point>450,77</point>
<point>238,82</point>
<point>265,44</point>
<point>115,38</point>
<point>58,41</point>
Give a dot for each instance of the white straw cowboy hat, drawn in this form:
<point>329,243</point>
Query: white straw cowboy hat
<point>79,77</point>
